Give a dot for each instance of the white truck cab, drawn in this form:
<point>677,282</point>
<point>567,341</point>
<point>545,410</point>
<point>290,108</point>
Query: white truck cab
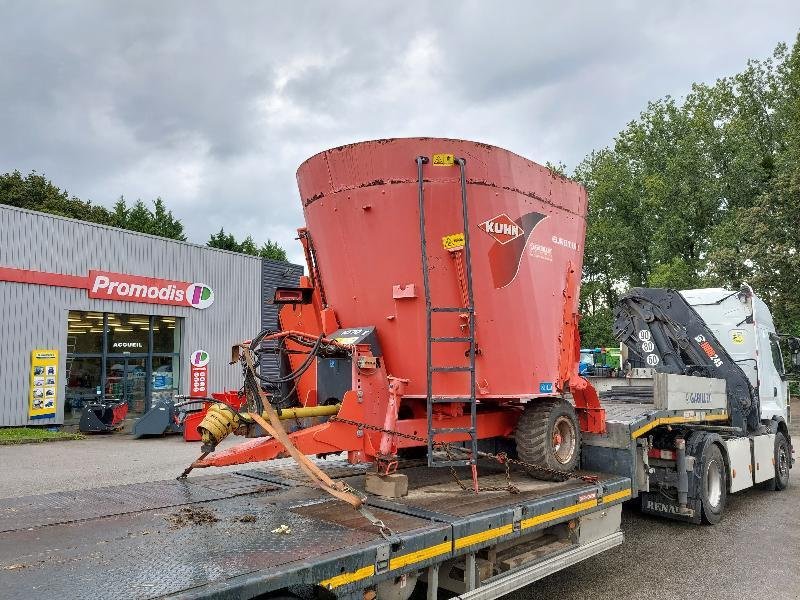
<point>743,325</point>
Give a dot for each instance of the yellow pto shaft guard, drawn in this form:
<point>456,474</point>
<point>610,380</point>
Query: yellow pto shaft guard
<point>220,420</point>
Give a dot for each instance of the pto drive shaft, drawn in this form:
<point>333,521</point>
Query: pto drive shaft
<point>221,420</point>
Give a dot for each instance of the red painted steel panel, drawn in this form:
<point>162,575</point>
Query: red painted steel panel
<point>42,278</point>
<point>360,204</point>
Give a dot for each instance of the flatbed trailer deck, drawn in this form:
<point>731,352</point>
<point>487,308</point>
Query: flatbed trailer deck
<point>217,536</point>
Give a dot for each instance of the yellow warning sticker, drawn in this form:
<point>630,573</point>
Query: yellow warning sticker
<point>453,241</point>
<point>737,336</point>
<point>443,160</point>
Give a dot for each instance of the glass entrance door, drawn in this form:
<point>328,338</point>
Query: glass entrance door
<point>134,358</point>
<point>126,380</point>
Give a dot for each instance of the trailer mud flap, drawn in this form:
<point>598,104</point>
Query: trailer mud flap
<point>659,504</point>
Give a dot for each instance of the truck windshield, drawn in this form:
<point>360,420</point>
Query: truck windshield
<point>777,357</point>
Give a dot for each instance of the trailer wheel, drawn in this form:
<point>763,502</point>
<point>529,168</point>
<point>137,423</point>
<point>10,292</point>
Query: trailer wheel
<point>713,484</point>
<point>548,435</point>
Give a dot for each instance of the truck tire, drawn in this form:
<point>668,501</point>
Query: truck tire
<point>783,461</point>
<point>713,484</point>
<point>548,435</point>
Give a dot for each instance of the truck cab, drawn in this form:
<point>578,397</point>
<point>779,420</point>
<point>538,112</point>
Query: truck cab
<point>743,325</point>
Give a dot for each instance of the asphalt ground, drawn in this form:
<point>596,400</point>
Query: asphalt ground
<point>753,553</point>
<point>97,461</point>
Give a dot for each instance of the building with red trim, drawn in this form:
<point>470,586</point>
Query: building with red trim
<point>119,314</point>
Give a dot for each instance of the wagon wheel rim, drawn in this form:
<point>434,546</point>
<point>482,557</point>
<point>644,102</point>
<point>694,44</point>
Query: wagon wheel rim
<point>564,440</point>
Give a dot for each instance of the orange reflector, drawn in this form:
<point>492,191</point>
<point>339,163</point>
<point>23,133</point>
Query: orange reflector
<point>292,295</point>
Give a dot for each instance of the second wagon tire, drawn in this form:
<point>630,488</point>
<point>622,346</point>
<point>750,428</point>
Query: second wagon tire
<point>548,435</point>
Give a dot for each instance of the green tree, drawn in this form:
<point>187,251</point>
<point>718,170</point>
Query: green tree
<point>36,192</point>
<point>701,192</point>
<point>227,241</point>
<point>223,241</point>
<point>273,251</point>
<point>760,242</point>
<point>138,217</point>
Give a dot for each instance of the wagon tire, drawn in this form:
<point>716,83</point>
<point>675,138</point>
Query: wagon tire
<point>548,436</point>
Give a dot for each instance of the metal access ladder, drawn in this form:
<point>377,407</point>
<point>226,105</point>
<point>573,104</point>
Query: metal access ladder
<point>469,312</point>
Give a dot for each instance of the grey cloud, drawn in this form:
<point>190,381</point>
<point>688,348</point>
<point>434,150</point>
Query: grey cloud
<point>213,105</point>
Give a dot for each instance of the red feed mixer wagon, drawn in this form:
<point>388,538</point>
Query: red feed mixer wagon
<point>440,307</point>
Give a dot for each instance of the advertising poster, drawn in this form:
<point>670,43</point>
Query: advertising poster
<point>198,378</point>
<point>44,384</point>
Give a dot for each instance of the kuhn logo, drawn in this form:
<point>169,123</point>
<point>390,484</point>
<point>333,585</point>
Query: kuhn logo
<point>502,228</point>
<point>511,236</point>
<point>134,288</point>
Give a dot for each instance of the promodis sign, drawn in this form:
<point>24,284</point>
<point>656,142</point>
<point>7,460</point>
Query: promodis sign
<point>133,288</point>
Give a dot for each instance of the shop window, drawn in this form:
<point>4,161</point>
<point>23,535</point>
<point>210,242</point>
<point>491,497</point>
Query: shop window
<point>166,335</point>
<point>128,334</point>
<point>126,380</point>
<point>84,383</point>
<point>166,376</point>
<point>84,332</point>
<point>136,360</point>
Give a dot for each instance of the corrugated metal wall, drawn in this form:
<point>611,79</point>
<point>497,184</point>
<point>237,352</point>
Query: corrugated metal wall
<point>35,316</point>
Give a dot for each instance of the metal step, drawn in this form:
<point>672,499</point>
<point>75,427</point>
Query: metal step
<point>468,430</point>
<point>451,339</point>
<point>450,399</point>
<point>462,309</point>
<point>451,369</point>
<point>450,463</point>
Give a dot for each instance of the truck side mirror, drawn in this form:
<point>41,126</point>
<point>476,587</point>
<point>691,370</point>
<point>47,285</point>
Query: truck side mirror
<point>794,348</point>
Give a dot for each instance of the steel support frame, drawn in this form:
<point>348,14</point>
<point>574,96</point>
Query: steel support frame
<point>591,414</point>
<point>361,444</point>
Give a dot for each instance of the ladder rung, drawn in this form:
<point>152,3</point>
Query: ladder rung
<point>464,309</point>
<point>440,399</point>
<point>450,463</point>
<point>468,430</point>
<point>450,369</point>
<point>451,339</point>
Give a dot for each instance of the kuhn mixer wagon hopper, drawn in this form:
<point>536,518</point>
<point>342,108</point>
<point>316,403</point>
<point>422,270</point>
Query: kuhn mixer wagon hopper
<point>440,308</point>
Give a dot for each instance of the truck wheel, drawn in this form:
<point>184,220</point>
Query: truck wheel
<point>713,484</point>
<point>783,460</point>
<point>548,435</point>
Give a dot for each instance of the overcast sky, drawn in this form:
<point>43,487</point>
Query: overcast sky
<point>213,105</point>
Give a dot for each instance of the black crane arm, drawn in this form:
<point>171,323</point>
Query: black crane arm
<point>667,333</point>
